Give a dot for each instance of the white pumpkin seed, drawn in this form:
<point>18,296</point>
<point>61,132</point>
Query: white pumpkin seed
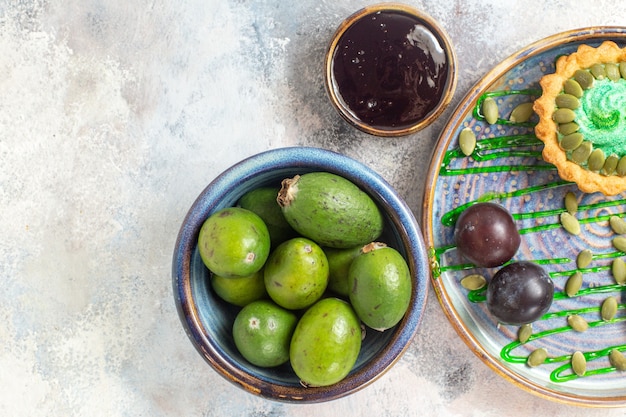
<point>524,332</point>
<point>473,282</point>
<point>584,258</point>
<point>620,243</point>
<point>574,283</point>
<point>618,269</point>
<point>579,363</point>
<point>571,203</point>
<point>570,223</point>
<point>618,225</point>
<point>490,110</point>
<point>577,323</point>
<point>522,113</point>
<point>609,308</point>
<point>537,357</point>
<point>467,141</point>
<point>618,360</point>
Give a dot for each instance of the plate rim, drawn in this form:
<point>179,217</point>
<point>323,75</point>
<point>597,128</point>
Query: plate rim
<point>441,146</point>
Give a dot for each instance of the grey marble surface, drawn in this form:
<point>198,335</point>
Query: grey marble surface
<point>115,114</point>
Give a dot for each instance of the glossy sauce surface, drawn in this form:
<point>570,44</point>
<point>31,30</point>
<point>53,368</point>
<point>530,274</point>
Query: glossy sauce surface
<point>390,69</point>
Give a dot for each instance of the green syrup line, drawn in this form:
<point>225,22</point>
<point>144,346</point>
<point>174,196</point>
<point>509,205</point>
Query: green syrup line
<point>491,149</point>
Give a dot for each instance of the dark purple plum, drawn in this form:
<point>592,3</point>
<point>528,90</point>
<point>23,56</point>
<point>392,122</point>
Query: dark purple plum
<point>486,235</point>
<point>519,293</point>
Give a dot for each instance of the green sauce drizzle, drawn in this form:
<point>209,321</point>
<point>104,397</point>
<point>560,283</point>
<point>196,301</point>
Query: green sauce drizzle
<point>527,146</point>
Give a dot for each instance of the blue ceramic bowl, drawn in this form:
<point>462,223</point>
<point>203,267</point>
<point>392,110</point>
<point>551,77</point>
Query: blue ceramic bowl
<point>208,320</point>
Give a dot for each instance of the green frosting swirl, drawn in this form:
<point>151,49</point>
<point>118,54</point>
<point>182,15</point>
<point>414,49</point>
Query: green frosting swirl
<point>602,116</point>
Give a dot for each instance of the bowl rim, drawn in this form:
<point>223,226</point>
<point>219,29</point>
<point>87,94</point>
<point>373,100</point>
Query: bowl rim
<point>449,88</point>
<point>315,159</point>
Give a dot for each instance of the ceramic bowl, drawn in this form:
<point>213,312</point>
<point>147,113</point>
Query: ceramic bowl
<point>208,320</point>
<point>390,69</point>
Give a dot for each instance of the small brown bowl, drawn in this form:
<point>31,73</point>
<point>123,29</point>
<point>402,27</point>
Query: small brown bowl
<point>390,70</point>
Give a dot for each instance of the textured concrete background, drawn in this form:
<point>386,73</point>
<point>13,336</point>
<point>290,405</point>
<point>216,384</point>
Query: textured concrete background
<point>115,114</point>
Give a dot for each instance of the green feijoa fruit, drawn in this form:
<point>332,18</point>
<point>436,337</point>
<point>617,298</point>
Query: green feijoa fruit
<point>262,201</point>
<point>239,291</point>
<point>326,343</point>
<point>339,261</point>
<point>296,273</point>
<point>380,287</point>
<point>234,242</point>
<point>330,210</point>
<point>262,333</point>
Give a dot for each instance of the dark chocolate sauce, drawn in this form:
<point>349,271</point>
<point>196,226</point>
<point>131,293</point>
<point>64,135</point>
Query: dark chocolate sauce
<point>390,69</point>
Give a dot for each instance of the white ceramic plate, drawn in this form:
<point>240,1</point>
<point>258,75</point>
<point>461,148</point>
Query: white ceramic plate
<point>507,168</point>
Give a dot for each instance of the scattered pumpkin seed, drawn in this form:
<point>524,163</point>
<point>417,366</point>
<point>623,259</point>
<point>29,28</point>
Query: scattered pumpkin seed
<point>596,160</point>
<point>521,113</point>
<point>567,101</point>
<point>622,69</point>
<point>467,141</point>
<point>570,223</point>
<point>581,154</point>
<point>571,141</point>
<point>612,71</point>
<point>537,357</point>
<point>473,282</point>
<point>571,203</point>
<point>618,224</point>
<point>579,363</point>
<point>621,166</point>
<point>563,115</point>
<point>574,283</point>
<point>584,258</point>
<point>617,360</point>
<point>490,110</point>
<point>608,309</point>
<point>584,78</point>
<point>618,269</point>
<point>577,323</point>
<point>619,243</point>
<point>524,332</point>
<point>598,71</point>
<point>568,128</point>
<point>572,87</point>
<point>610,165</point>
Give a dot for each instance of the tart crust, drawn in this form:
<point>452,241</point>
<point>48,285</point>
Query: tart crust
<point>546,129</point>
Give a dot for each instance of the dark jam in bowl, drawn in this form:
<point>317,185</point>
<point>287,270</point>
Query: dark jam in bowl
<point>390,69</point>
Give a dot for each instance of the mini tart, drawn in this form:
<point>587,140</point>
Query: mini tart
<point>607,179</point>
